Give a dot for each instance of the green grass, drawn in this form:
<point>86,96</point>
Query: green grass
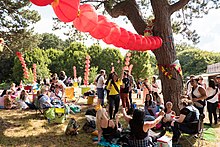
<point>26,128</point>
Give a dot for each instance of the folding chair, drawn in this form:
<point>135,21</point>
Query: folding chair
<point>197,136</point>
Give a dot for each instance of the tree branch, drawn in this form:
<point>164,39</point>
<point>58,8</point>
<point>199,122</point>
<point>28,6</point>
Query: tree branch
<point>130,9</point>
<point>178,5</point>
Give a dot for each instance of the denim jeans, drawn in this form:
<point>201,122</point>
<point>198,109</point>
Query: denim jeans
<point>100,93</point>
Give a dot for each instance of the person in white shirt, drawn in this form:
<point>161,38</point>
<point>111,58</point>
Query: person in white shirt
<point>100,81</point>
<point>62,86</point>
<point>154,85</point>
<point>188,85</point>
<point>212,100</point>
<point>198,95</point>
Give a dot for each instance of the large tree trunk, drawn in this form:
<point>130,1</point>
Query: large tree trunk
<point>166,54</point>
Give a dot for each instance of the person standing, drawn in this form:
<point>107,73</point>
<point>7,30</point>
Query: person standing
<point>217,78</point>
<point>146,88</point>
<point>139,89</point>
<point>198,95</point>
<point>114,90</point>
<point>201,82</point>
<point>212,100</point>
<point>100,81</point>
<point>154,85</point>
<point>188,85</point>
<point>131,86</point>
<point>124,91</point>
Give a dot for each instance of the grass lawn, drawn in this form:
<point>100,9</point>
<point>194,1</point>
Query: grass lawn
<point>26,128</point>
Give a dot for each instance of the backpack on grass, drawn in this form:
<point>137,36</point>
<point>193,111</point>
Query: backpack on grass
<point>56,115</point>
<point>72,127</point>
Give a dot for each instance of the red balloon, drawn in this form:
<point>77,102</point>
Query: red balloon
<point>149,43</point>
<point>123,39</point>
<point>153,43</point>
<point>102,29</point>
<point>131,41</point>
<point>87,61</point>
<point>138,42</point>
<point>144,44</point>
<point>113,35</point>
<point>87,19</point>
<point>41,2</point>
<point>159,41</point>
<point>87,57</point>
<point>18,54</point>
<point>66,10</point>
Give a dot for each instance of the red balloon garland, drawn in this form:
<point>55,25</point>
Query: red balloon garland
<point>102,29</point>
<point>86,73</point>
<point>123,39</point>
<point>35,72</point>
<point>85,19</point>
<point>114,34</point>
<point>74,72</point>
<point>66,10</point>
<point>41,2</point>
<point>25,71</point>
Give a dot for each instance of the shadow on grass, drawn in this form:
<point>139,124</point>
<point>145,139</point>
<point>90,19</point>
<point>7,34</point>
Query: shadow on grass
<point>28,129</point>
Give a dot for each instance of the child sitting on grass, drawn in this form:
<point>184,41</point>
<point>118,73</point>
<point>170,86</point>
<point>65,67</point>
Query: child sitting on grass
<point>169,115</point>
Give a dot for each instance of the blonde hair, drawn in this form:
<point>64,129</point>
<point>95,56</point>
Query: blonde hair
<point>186,102</point>
<point>100,114</point>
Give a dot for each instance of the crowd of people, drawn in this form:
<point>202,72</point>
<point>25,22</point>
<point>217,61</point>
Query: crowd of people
<point>155,111</point>
<point>116,90</point>
<point>50,93</point>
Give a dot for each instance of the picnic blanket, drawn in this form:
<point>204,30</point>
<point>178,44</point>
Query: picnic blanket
<point>105,143</point>
<point>209,133</point>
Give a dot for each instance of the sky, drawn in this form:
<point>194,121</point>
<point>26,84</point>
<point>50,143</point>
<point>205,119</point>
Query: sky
<point>207,28</point>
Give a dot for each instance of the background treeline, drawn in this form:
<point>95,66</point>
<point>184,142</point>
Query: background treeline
<point>53,55</point>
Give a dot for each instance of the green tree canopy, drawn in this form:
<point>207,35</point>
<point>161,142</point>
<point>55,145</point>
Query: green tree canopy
<point>94,52</point>
<point>141,65</point>
<point>109,56</point>
<point>194,61</point>
<point>15,25</point>
<point>51,41</point>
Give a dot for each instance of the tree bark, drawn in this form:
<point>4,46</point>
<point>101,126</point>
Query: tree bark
<point>166,54</point>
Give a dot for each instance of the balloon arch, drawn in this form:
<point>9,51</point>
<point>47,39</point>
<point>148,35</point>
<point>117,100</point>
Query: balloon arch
<point>85,19</point>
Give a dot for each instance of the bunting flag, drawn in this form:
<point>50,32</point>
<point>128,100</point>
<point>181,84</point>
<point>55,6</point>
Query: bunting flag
<point>166,68</point>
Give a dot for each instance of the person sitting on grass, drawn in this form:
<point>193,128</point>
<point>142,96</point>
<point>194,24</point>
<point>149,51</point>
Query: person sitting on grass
<point>8,101</point>
<point>139,136</point>
<point>169,114</point>
<point>44,100</point>
<point>188,114</point>
<point>150,107</point>
<point>56,97</point>
<point>106,127</point>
